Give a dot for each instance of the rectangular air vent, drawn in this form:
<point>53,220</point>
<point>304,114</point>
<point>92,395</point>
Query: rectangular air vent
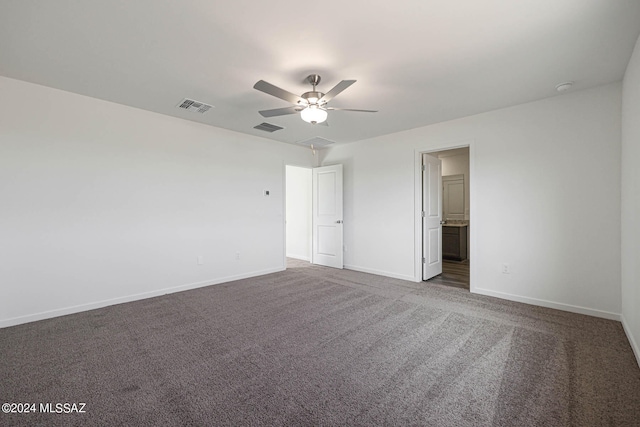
<point>195,106</point>
<point>267,127</point>
<point>317,142</point>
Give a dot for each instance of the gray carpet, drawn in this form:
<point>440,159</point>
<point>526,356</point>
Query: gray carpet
<point>317,346</point>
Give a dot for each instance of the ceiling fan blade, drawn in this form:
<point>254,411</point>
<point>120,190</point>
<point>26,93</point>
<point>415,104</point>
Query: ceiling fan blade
<point>325,123</point>
<point>279,111</point>
<point>351,109</point>
<point>336,90</point>
<point>272,90</point>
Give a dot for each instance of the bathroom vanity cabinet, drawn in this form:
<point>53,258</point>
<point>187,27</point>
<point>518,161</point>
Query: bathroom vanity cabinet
<point>454,242</point>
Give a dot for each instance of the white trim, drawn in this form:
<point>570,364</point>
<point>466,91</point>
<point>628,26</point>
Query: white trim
<point>634,344</point>
<point>120,300</point>
<point>473,229</point>
<point>284,213</point>
<point>549,304</point>
<point>379,273</point>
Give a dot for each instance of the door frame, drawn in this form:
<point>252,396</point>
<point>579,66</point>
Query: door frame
<point>417,214</point>
<point>284,210</point>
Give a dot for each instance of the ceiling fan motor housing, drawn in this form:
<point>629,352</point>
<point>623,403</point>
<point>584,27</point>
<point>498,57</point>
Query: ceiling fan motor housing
<point>312,97</point>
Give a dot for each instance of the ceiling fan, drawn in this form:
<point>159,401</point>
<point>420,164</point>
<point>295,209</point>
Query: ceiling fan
<point>312,105</point>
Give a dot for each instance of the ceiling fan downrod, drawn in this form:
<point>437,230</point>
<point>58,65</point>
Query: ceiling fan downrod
<point>314,79</point>
<point>313,97</point>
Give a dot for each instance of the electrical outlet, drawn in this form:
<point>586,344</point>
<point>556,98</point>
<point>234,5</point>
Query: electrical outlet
<point>506,269</point>
<point>237,256</point>
<point>200,260</point>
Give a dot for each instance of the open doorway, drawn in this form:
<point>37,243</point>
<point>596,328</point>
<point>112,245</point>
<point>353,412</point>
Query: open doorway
<point>454,218</point>
<point>298,215</point>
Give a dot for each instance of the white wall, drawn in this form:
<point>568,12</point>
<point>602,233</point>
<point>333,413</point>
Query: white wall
<point>298,212</point>
<point>545,198</point>
<point>631,200</point>
<point>103,203</point>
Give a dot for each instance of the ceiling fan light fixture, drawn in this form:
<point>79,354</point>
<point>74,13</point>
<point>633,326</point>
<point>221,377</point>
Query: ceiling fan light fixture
<point>311,105</point>
<point>314,114</point>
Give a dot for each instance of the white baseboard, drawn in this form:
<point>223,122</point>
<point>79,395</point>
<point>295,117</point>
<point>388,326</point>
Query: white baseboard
<point>632,341</point>
<point>379,273</point>
<point>300,257</point>
<point>129,298</point>
<point>549,304</point>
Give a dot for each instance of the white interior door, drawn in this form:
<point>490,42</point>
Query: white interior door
<point>327,216</point>
<point>453,197</point>
<point>431,216</point>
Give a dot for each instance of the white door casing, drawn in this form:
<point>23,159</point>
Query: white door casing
<point>327,216</point>
<point>431,216</point>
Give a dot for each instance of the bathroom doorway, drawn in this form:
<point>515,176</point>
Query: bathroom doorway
<point>455,232</point>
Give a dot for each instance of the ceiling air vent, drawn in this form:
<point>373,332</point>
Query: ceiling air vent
<point>195,106</point>
<point>267,127</point>
<point>317,142</point>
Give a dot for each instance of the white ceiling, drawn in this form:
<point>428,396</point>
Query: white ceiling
<point>416,61</point>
